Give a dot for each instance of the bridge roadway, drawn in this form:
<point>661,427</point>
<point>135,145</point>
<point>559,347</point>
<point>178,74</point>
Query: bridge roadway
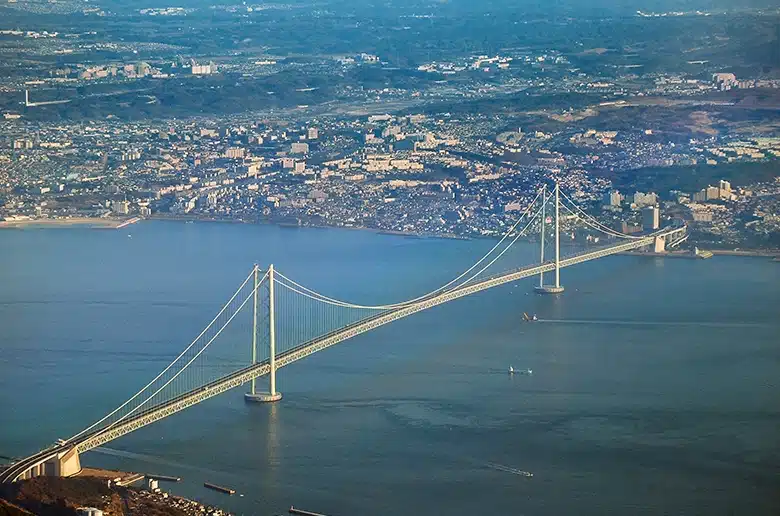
<point>242,376</point>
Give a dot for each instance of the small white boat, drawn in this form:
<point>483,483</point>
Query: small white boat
<point>511,370</point>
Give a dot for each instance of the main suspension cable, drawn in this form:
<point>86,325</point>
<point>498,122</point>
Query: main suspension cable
<point>337,302</point>
<point>246,300</point>
<point>301,290</point>
<point>582,215</point>
<point>123,405</point>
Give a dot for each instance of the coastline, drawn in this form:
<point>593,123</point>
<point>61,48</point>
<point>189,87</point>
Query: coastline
<point>82,222</point>
<point>116,223</point>
<point>293,225</point>
<point>111,491</point>
<point>748,253</point>
<point>651,254</point>
<point>756,253</point>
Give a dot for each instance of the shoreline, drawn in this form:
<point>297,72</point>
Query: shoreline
<point>70,222</point>
<point>112,491</point>
<point>133,482</point>
<point>292,225</point>
<point>651,254</point>
<point>755,253</point>
<point>747,253</point>
<point>114,223</point>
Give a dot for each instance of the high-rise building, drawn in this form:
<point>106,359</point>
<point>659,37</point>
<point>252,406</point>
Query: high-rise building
<point>613,198</point>
<point>121,207</point>
<point>724,81</point>
<point>299,148</point>
<point>645,199</point>
<point>724,189</point>
<point>131,155</point>
<point>201,69</point>
<point>143,69</point>
<point>235,153</point>
<point>628,228</point>
<point>312,133</point>
<point>651,218</point>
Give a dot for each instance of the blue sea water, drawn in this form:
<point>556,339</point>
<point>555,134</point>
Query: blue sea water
<point>655,385</point>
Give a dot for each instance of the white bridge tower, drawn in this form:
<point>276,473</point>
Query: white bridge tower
<point>556,288</point>
<point>272,395</point>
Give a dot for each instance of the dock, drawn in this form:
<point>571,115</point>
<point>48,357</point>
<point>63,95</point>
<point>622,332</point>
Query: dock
<point>164,478</point>
<point>293,510</point>
<point>128,222</point>
<point>221,489</point>
<point>126,481</point>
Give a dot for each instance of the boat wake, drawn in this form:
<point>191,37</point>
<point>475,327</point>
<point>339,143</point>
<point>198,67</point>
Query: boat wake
<point>507,469</point>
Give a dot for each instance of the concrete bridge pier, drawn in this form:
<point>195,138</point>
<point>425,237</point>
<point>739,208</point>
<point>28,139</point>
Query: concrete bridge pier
<point>64,464</point>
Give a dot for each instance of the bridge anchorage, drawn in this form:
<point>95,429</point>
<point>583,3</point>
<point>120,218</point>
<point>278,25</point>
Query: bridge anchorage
<point>290,321</point>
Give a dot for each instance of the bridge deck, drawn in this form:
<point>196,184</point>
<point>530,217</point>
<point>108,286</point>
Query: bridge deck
<point>106,434</point>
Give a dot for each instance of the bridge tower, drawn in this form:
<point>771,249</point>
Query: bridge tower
<point>271,395</point>
<point>542,233</point>
<point>557,288</point>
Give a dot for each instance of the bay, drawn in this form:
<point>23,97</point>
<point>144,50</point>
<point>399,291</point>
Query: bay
<point>655,385</point>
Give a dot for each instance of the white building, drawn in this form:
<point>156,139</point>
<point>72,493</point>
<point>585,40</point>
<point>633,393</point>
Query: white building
<point>121,207</point>
<point>207,69</point>
<point>235,152</point>
<point>645,199</point>
<point>299,148</point>
<point>651,218</point>
<point>613,198</point>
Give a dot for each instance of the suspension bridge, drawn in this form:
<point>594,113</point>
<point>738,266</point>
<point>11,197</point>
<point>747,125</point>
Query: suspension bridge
<point>288,321</point>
